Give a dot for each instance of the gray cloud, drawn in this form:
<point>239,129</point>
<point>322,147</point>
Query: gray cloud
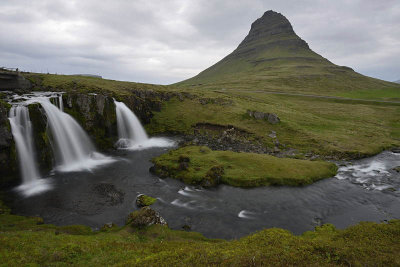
<point>168,41</point>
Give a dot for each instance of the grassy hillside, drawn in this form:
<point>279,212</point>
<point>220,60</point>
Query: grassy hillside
<point>273,58</point>
<point>310,125</point>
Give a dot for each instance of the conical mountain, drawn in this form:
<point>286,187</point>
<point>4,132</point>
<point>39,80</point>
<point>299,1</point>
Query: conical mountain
<point>273,57</point>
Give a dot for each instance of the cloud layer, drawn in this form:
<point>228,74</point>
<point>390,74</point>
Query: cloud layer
<point>158,41</point>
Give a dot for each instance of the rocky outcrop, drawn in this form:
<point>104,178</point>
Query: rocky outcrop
<point>270,117</point>
<point>144,217</point>
<point>8,156</point>
<point>226,137</point>
<point>41,138</point>
<point>11,80</point>
<point>96,114</point>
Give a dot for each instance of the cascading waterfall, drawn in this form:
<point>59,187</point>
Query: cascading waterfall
<point>21,128</point>
<point>130,130</point>
<point>72,147</point>
<point>131,133</point>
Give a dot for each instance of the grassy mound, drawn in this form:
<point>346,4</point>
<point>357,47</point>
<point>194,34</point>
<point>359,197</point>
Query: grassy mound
<point>27,241</point>
<point>200,165</point>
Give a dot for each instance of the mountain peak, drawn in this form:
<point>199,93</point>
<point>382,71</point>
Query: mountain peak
<point>271,30</point>
<point>272,20</point>
<point>271,49</point>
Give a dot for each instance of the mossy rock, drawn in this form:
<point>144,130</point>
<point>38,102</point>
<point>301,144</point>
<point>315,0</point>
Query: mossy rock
<point>143,200</point>
<point>144,217</point>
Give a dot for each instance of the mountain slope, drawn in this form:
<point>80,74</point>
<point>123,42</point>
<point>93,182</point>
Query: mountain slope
<point>272,57</point>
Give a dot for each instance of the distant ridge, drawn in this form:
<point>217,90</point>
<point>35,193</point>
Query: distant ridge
<point>273,57</point>
<point>398,81</point>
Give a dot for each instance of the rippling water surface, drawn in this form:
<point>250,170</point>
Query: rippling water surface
<point>364,190</point>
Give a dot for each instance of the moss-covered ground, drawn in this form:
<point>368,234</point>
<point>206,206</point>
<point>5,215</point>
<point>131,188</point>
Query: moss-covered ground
<point>26,241</point>
<point>196,165</point>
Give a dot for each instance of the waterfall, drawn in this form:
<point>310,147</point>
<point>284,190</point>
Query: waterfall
<point>131,132</point>
<point>72,147</point>
<point>60,103</point>
<point>21,128</point>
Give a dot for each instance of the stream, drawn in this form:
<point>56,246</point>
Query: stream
<point>363,190</point>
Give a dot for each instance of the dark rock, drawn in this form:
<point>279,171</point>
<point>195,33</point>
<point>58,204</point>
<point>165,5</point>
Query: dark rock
<point>8,157</point>
<point>270,117</point>
<point>13,80</point>
<point>184,159</point>
<point>396,150</point>
<point>144,217</point>
<point>397,169</point>
<point>183,166</point>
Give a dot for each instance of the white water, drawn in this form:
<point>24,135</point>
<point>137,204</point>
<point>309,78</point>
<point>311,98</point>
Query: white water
<point>376,173</point>
<point>72,147</point>
<point>21,128</point>
<point>131,133</point>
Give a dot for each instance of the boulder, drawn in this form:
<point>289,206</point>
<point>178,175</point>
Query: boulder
<point>143,200</point>
<point>144,217</point>
<point>270,117</point>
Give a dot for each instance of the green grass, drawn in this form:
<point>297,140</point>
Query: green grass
<point>26,241</point>
<point>330,128</point>
<point>240,169</point>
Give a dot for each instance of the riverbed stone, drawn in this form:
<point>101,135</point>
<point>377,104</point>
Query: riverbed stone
<point>109,193</point>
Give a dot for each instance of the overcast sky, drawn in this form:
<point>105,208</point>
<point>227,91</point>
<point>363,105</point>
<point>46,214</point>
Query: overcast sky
<point>166,41</point>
